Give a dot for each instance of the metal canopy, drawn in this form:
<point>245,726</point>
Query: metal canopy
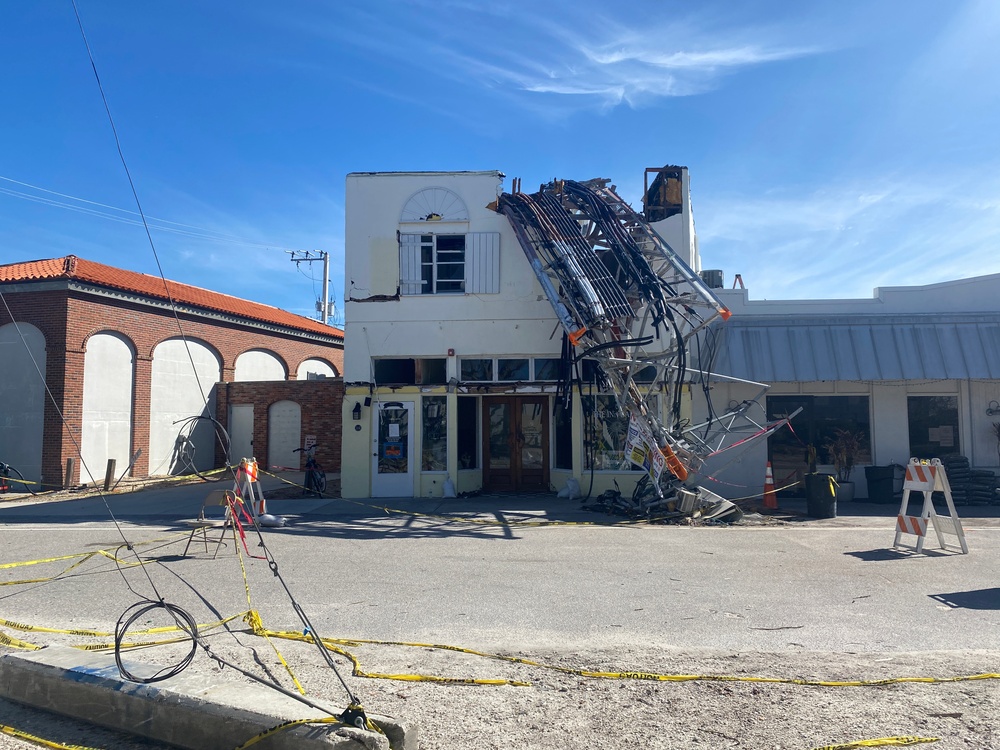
<point>899,348</point>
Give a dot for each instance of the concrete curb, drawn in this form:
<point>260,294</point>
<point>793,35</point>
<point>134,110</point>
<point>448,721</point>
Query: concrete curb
<point>196,712</point>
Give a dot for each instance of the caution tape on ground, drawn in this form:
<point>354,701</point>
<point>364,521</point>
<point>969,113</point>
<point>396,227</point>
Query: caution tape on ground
<point>880,742</point>
<point>12,732</point>
<point>81,558</point>
<point>7,640</point>
<point>338,646</point>
<point>287,725</point>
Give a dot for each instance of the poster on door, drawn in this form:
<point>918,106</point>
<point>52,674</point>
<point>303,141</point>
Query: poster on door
<point>641,449</point>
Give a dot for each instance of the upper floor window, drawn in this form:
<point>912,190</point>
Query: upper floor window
<point>502,370</point>
<point>449,263</point>
<point>442,263</point>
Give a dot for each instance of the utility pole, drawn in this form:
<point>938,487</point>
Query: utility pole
<point>311,256</point>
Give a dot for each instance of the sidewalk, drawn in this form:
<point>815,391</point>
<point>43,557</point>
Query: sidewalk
<point>171,501</point>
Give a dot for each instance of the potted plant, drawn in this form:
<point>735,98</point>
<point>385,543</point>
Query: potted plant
<point>844,449</point>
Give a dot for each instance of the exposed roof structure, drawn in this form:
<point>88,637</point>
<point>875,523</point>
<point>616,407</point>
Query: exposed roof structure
<point>74,269</point>
<point>862,348</point>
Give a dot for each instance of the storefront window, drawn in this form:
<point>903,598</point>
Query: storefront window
<point>606,431</point>
<point>434,456</point>
<point>564,437</point>
<point>816,425</point>
<point>468,432</point>
<point>933,424</point>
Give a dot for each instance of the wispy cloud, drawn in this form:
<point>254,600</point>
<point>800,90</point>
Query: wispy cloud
<point>843,243</point>
<point>578,54</point>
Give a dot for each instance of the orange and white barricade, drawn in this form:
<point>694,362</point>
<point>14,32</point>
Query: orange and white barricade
<point>246,486</point>
<point>928,477</point>
<point>249,489</point>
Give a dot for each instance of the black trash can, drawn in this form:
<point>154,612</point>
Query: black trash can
<point>880,483</point>
<point>821,496</point>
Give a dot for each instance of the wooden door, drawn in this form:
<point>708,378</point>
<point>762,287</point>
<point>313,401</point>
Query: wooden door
<point>515,443</point>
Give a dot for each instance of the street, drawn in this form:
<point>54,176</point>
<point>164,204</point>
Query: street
<point>542,592</point>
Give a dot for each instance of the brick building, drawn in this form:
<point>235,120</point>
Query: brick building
<point>133,365</point>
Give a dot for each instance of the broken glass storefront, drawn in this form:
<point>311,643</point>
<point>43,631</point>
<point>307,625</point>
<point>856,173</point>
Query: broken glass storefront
<point>606,429</point>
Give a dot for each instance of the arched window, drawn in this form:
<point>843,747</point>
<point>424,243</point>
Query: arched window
<point>434,204</point>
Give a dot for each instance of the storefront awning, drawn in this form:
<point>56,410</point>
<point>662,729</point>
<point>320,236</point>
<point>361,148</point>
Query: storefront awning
<point>882,349</point>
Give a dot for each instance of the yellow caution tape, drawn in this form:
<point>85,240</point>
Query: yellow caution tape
<point>336,645</point>
<point>84,556</point>
<point>253,619</point>
<point>340,646</point>
<point>372,727</point>
<point>880,742</point>
<point>287,725</point>
<point>7,640</point>
<point>39,740</point>
<point>4,566</point>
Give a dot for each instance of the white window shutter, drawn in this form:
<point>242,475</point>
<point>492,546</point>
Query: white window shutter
<point>482,262</point>
<point>409,264</point>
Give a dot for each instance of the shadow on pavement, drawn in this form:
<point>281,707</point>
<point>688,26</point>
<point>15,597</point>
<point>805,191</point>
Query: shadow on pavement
<point>978,599</point>
<point>883,555</point>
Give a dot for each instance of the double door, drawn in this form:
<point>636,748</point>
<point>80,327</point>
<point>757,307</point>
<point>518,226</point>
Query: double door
<point>515,443</point>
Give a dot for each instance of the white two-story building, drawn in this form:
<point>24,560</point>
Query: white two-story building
<point>452,350</point>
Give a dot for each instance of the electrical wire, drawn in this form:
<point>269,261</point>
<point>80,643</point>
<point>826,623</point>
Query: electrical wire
<point>180,616</point>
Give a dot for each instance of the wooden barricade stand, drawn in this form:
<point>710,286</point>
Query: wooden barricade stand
<point>928,477</point>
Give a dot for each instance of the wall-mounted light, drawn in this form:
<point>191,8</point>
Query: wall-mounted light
<point>993,409</point>
<point>356,411</point>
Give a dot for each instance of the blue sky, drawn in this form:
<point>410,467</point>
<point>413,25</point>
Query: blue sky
<point>833,146</point>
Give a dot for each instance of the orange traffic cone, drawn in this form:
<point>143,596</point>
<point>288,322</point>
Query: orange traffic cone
<point>770,499</point>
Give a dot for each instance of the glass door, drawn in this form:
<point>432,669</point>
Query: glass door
<point>392,464</point>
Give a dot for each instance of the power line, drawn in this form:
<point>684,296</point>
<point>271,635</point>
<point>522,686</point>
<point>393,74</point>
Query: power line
<point>176,227</point>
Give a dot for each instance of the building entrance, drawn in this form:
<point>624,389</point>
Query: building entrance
<point>516,443</point>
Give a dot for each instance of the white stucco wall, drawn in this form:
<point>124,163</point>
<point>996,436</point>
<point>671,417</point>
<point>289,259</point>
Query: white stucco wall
<point>978,294</point>
<point>108,374</point>
<point>516,321</point>
<point>257,365</point>
<point>22,398</point>
<point>178,392</point>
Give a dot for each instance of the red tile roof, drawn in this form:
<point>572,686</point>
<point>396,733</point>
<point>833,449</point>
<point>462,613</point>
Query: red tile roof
<point>78,269</point>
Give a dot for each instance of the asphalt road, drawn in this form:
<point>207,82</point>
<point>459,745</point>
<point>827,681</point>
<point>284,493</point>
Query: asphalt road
<point>417,575</point>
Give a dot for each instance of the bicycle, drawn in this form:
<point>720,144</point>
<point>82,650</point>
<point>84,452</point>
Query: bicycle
<point>315,481</point>
<point>7,480</point>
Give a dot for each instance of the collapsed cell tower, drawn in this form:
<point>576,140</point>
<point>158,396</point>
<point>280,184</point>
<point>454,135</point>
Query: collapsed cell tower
<point>629,303</point>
